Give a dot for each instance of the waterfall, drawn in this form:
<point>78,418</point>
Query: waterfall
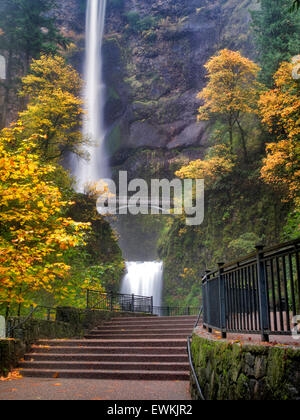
<point>89,171</point>
<point>144,279</point>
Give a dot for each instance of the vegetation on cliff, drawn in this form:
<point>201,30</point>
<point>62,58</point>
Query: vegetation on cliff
<point>252,195</point>
<point>53,243</point>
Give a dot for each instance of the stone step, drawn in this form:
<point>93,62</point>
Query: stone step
<point>150,320</point>
<point>180,342</point>
<point>123,357</point>
<point>141,327</point>
<point>111,350</point>
<point>120,366</point>
<point>145,348</point>
<point>106,374</point>
<point>138,334</point>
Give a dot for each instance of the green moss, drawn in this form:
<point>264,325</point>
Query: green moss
<point>223,370</point>
<point>114,140</point>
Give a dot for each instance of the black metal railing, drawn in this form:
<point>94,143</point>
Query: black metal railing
<point>259,294</point>
<point>41,312</point>
<point>117,302</point>
<point>175,311</point>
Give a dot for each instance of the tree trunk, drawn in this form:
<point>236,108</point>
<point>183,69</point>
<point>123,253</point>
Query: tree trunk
<point>243,140</point>
<point>230,124</point>
<point>7,87</point>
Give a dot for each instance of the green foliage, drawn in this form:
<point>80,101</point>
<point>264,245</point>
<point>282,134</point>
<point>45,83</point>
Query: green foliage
<point>245,244</point>
<point>137,24</point>
<point>277,34</point>
<point>295,5</point>
<point>291,229</point>
<point>29,28</point>
<point>116,4</point>
<point>100,261</point>
<point>239,213</point>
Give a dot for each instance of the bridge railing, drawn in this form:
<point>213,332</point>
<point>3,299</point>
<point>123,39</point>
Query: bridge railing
<point>175,311</point>
<point>117,302</point>
<point>259,294</point>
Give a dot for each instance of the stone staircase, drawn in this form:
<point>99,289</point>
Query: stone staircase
<point>146,348</point>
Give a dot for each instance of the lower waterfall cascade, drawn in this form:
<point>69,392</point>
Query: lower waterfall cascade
<point>144,279</point>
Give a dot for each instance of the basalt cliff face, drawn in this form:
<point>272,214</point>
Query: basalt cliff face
<point>154,52</point>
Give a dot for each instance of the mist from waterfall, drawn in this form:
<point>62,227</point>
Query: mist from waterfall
<point>89,171</point>
<point>144,279</point>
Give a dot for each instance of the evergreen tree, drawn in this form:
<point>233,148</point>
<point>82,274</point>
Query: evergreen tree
<point>277,33</point>
<point>27,29</point>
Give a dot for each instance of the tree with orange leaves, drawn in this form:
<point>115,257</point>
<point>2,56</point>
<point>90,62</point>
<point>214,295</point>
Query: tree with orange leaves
<point>232,92</point>
<point>34,233</point>
<point>280,111</point>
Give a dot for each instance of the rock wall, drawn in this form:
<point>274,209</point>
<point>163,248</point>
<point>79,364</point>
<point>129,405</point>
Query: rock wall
<point>154,52</point>
<point>229,371</point>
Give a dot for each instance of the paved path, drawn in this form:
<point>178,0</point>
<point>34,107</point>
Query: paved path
<point>80,389</point>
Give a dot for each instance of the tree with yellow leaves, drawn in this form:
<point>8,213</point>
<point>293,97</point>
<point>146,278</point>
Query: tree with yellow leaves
<point>231,93</point>
<point>54,108</point>
<point>280,111</point>
<point>217,165</point>
<point>34,233</point>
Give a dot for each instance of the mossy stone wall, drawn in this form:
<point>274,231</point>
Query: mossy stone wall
<point>229,371</point>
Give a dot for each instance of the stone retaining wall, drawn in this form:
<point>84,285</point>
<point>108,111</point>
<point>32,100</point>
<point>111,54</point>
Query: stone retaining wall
<point>235,371</point>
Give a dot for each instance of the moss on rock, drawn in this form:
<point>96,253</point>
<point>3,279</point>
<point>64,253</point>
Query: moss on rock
<point>223,371</point>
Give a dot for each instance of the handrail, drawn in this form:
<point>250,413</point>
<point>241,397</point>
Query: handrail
<point>29,316</point>
<point>252,257</point>
<point>257,294</point>
<point>191,358</point>
<point>99,301</point>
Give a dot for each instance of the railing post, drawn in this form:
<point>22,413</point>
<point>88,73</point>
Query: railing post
<point>152,310</point>
<point>222,301</point>
<point>263,295</point>
<point>132,303</point>
<point>207,298</point>
<point>111,302</point>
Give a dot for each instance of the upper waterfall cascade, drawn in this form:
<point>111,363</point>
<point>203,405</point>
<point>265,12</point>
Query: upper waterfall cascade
<point>90,171</point>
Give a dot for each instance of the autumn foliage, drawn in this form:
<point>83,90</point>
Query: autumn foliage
<point>280,111</point>
<point>212,169</point>
<point>54,107</point>
<point>33,230</point>
<point>231,92</point>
